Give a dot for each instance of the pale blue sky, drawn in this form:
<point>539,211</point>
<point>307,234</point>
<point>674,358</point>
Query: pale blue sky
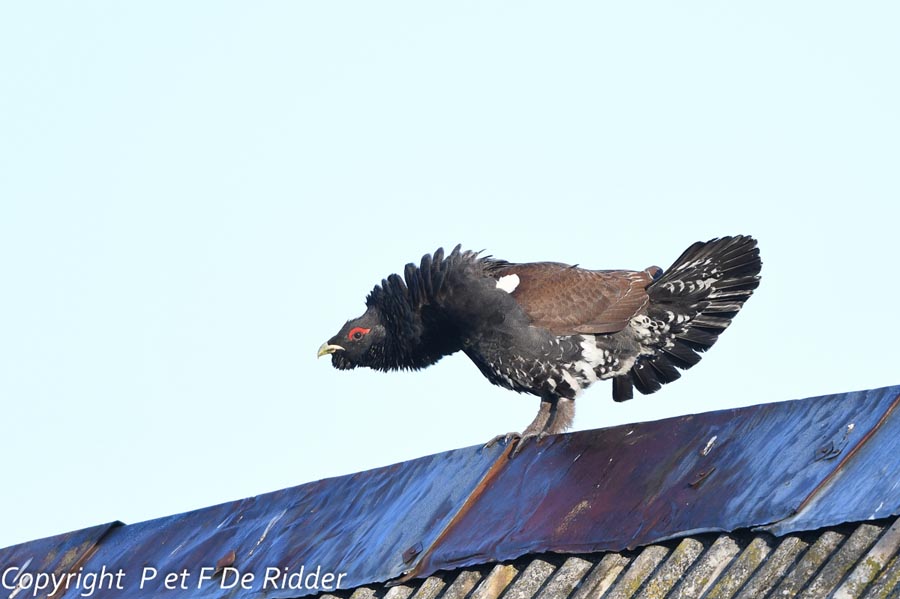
<point>194,196</point>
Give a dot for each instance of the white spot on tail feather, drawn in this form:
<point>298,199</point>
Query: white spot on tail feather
<point>508,283</point>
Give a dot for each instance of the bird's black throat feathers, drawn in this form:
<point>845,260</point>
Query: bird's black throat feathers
<point>436,309</point>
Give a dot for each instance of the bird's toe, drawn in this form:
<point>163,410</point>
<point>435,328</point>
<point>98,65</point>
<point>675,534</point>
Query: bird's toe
<point>506,438</point>
<point>523,439</point>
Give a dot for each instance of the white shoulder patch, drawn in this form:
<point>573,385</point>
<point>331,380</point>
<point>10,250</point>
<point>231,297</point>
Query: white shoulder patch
<point>508,283</point>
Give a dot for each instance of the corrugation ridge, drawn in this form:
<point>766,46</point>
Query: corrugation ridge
<point>399,592</point>
<point>702,574</point>
<point>673,569</point>
<point>888,584</point>
<point>430,588</point>
<point>808,566</point>
<point>531,579</point>
<point>774,569</point>
<point>563,582</point>
<point>598,581</point>
<point>871,567</point>
<point>463,584</point>
<point>853,561</point>
<point>631,582</point>
<point>751,557</point>
<point>841,563</point>
<point>501,575</point>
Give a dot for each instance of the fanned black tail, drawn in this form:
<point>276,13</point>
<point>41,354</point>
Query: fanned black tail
<point>690,305</point>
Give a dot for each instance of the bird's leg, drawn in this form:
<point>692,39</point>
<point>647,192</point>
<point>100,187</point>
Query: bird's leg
<point>561,417</point>
<point>554,417</point>
<point>544,416</point>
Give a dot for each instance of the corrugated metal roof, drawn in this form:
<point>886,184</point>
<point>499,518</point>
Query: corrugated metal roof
<point>847,562</point>
<point>789,466</point>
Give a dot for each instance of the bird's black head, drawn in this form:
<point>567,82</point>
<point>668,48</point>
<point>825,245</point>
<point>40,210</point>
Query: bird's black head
<point>360,342</point>
<point>406,324</point>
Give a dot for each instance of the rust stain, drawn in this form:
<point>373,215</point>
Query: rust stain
<point>225,561</point>
<point>87,551</point>
<point>471,499</point>
<point>701,476</point>
<point>569,518</point>
<point>411,553</point>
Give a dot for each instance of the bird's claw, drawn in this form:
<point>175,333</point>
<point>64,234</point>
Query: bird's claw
<point>518,440</point>
<point>506,438</point>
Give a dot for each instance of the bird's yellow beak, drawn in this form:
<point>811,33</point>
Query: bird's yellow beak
<point>326,349</point>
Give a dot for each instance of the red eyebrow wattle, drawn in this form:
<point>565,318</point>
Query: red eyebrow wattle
<point>356,330</point>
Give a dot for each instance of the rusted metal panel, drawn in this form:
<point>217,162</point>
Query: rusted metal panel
<point>57,555</point>
<point>629,486</point>
<point>789,466</point>
<point>369,526</point>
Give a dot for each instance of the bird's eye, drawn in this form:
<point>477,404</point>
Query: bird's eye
<point>356,333</point>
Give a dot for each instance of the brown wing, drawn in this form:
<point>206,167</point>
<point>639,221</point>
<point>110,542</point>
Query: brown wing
<point>567,300</point>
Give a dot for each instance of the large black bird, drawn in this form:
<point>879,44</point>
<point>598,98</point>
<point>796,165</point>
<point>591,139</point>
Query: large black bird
<point>551,329</point>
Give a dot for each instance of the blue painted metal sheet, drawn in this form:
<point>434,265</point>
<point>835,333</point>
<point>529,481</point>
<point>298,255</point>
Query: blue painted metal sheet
<point>788,466</point>
<point>57,555</point>
<point>369,526</point>
<point>629,486</point>
<point>865,481</point>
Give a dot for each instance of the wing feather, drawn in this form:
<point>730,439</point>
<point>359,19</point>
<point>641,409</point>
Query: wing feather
<point>567,300</point>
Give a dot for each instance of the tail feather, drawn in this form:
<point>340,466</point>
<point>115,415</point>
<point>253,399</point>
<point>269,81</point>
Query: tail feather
<point>665,370</point>
<point>623,389</point>
<point>703,337</point>
<point>644,379</point>
<point>682,355</point>
<point>706,319</point>
<point>692,303</point>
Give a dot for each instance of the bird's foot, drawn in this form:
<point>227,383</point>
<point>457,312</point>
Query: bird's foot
<point>518,440</point>
<point>507,438</point>
<point>525,438</point>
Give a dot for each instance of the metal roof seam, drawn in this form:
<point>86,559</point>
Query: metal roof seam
<point>465,506</point>
<point>89,552</point>
<point>848,456</point>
